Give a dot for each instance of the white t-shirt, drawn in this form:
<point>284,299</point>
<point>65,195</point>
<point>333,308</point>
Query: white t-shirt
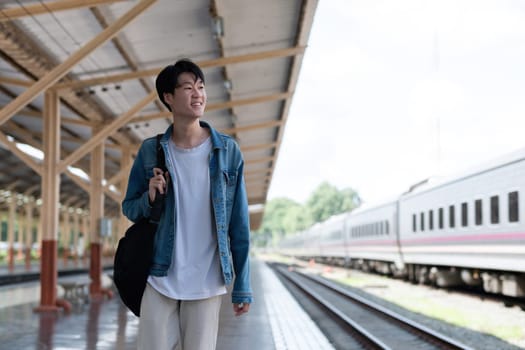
<point>195,271</point>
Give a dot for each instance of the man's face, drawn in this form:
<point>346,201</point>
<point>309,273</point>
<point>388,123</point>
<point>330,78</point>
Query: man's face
<point>189,98</point>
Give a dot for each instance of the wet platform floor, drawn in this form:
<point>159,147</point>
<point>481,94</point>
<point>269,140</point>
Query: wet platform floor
<point>275,321</point>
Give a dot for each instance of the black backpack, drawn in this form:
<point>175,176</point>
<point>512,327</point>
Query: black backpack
<point>135,250</point>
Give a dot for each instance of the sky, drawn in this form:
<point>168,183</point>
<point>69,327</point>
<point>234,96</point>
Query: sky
<point>393,92</point>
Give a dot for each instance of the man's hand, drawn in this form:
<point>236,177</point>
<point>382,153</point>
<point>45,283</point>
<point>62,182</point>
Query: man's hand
<point>241,308</point>
<point>157,183</point>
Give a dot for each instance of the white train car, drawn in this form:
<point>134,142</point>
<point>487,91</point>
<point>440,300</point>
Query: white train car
<point>294,245</point>
<point>469,228</point>
<point>304,244</point>
<point>332,235</point>
<point>372,238</point>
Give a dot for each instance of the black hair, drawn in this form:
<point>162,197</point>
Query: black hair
<point>167,79</point>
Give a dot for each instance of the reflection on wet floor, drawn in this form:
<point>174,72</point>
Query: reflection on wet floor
<point>107,324</point>
<point>100,324</point>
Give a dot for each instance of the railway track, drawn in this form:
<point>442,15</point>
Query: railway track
<point>365,325</point>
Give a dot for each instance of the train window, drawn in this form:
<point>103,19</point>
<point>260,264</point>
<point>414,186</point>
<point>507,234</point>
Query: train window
<point>440,218</point>
<point>422,221</point>
<point>414,223</point>
<point>451,217</point>
<point>430,220</point>
<point>387,229</point>
<point>513,207</point>
<point>478,212</point>
<point>464,214</point>
<point>494,210</point>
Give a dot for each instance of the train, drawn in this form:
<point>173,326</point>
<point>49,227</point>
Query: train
<point>467,229</point>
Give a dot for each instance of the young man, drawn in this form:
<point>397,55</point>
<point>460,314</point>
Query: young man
<point>202,240</point>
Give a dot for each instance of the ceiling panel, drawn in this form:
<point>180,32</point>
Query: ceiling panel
<point>168,30</point>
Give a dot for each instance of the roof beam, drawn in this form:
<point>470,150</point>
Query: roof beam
<point>271,124</point>
<point>39,115</point>
<point>292,51</point>
<point>259,178</point>
<point>62,69</point>
<point>29,113</point>
<point>123,172</point>
<point>11,145</point>
<point>220,105</point>
<point>114,125</point>
<point>254,187</point>
<point>248,101</point>
<point>14,81</point>
<point>264,171</point>
<point>85,185</point>
<point>258,186</point>
<point>127,58</point>
<point>8,14</point>
<point>256,200</point>
<point>258,147</point>
<point>259,160</point>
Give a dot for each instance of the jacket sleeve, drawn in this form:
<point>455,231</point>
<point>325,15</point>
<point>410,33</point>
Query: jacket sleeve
<point>239,230</point>
<point>135,205</point>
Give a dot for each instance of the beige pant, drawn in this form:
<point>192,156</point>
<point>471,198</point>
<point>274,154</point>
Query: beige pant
<point>169,324</point>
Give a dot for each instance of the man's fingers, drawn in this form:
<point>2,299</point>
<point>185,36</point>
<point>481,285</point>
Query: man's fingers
<point>241,308</point>
<point>157,171</point>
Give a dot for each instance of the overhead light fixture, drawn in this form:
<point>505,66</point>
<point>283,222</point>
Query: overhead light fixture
<point>217,27</point>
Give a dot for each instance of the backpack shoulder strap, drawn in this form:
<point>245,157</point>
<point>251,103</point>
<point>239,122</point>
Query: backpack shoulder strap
<point>161,158</point>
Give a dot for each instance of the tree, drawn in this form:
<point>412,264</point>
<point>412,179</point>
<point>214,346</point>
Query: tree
<point>274,215</point>
<point>284,216</point>
<point>350,199</point>
<point>327,200</point>
<point>323,202</point>
<point>296,219</point>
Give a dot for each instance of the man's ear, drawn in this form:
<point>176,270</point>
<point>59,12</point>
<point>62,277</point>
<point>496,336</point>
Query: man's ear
<point>167,97</point>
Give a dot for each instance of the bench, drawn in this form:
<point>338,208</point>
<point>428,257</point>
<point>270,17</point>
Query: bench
<point>75,288</point>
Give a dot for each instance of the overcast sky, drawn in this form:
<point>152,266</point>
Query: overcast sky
<point>393,92</point>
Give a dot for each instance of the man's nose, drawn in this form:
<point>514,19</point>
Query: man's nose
<point>198,92</point>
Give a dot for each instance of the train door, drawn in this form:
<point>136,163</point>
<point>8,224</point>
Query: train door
<point>346,240</point>
<point>400,264</point>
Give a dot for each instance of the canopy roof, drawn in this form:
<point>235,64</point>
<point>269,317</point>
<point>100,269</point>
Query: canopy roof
<point>101,57</point>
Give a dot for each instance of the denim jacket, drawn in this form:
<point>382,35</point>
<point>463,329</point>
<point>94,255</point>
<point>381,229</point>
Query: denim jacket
<point>229,201</point>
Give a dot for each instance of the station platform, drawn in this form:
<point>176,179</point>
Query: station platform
<point>275,321</point>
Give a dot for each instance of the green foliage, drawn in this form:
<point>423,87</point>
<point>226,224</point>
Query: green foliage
<point>327,200</point>
<point>283,216</point>
<point>276,213</point>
